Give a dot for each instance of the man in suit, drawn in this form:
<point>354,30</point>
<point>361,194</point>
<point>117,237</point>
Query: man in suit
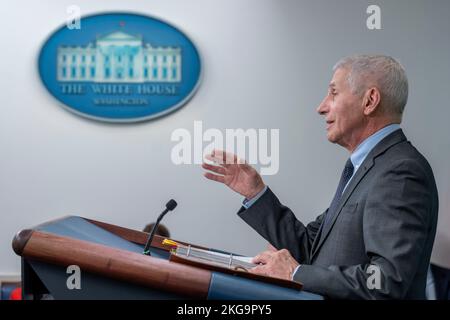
<point>375,239</point>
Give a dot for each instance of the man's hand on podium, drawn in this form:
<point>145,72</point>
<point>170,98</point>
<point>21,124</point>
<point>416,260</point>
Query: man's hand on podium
<point>233,172</point>
<point>276,264</point>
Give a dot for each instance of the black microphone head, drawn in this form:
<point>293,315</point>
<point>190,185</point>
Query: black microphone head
<point>171,205</point>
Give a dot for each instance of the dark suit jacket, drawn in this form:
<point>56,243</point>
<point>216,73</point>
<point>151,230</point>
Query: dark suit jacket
<point>387,217</point>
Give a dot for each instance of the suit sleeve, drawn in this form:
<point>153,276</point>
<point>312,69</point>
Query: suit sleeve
<point>278,225</point>
<point>396,224</point>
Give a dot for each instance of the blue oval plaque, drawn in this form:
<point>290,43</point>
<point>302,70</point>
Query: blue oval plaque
<point>120,67</point>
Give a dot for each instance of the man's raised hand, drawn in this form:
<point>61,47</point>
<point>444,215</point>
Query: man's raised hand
<point>233,172</point>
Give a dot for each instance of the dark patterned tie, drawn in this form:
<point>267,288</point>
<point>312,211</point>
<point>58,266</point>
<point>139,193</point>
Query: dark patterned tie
<point>345,177</point>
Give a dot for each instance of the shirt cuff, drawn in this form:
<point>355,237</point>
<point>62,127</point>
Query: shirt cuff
<point>247,203</point>
<point>295,271</point>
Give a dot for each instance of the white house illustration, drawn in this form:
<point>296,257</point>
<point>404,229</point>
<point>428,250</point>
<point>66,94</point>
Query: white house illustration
<point>119,57</point>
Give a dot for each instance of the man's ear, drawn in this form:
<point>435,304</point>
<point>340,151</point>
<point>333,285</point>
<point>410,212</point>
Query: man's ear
<point>371,100</point>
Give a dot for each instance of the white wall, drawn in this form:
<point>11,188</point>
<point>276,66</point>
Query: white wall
<point>266,64</point>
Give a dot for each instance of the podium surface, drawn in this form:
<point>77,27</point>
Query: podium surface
<point>112,266</point>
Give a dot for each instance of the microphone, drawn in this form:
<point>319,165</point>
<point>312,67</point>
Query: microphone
<point>169,207</point>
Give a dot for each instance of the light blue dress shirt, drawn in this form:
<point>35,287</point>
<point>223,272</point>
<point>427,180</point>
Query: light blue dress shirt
<point>363,149</point>
<point>357,158</point>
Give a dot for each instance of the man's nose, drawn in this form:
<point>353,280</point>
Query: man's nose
<point>322,108</point>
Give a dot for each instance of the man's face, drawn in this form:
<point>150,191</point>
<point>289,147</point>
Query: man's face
<point>343,112</point>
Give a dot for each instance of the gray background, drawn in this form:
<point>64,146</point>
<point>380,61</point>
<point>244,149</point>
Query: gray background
<point>266,63</point>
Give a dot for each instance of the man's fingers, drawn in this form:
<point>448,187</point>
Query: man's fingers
<point>223,158</point>
<point>214,177</point>
<point>261,270</point>
<point>263,257</point>
<point>210,157</point>
<point>217,160</point>
<point>216,169</point>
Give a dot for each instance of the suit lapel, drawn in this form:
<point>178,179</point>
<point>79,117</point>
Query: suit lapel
<point>316,240</point>
<point>392,139</point>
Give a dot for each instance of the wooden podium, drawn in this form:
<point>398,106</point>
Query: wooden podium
<point>112,266</point>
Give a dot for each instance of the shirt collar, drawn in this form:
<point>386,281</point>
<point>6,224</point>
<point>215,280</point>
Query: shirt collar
<point>363,149</point>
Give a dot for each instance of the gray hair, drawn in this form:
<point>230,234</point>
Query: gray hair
<point>385,72</point>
